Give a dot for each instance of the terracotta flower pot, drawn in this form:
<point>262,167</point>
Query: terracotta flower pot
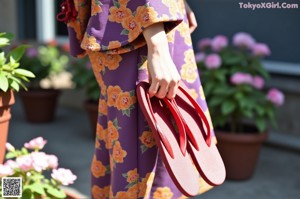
<point>91,108</point>
<point>40,104</point>
<point>240,153</point>
<point>7,99</point>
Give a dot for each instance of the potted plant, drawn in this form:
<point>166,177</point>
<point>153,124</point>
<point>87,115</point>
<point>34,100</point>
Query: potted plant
<point>83,78</point>
<point>240,106</point>
<point>33,166</point>
<point>11,78</point>
<point>45,61</point>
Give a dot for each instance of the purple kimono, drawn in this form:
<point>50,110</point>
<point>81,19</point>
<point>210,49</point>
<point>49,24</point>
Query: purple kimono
<point>126,163</point>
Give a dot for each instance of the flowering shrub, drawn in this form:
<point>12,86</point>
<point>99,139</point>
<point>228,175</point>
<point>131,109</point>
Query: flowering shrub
<point>31,167</point>
<point>45,60</point>
<point>233,81</point>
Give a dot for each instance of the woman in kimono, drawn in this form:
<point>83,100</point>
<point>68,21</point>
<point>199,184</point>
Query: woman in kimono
<point>128,41</point>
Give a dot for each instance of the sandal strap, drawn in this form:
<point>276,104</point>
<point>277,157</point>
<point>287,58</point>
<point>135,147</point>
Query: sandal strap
<point>161,134</point>
<point>179,123</point>
<point>190,135</point>
<point>200,113</point>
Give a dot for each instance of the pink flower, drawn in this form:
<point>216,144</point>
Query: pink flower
<point>37,143</point>
<point>6,170</point>
<point>9,147</point>
<point>12,164</point>
<point>261,49</point>
<point>258,82</point>
<point>39,161</point>
<point>24,162</point>
<point>204,43</point>
<point>64,176</point>
<point>32,52</point>
<point>213,61</point>
<point>52,161</point>
<point>242,39</point>
<point>241,78</point>
<point>199,57</point>
<point>275,96</point>
<point>219,42</point>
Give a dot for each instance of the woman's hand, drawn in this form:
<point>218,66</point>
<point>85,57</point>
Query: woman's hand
<point>163,73</point>
<point>191,17</point>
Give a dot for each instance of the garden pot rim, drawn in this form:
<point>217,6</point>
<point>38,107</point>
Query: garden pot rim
<point>242,137</point>
<point>40,91</point>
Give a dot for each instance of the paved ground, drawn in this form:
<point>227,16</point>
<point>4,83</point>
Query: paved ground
<point>69,137</point>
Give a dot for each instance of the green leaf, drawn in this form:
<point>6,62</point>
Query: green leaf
<point>260,123</point>
<point>3,82</point>
<point>144,148</point>
<point>26,192</point>
<point>115,123</point>
<point>24,151</point>
<point>2,59</point>
<point>15,85</point>
<point>116,4</point>
<point>132,93</point>
<point>5,39</point>
<point>247,113</point>
<point>228,107</point>
<point>37,188</point>
<point>125,32</point>
<point>10,155</point>
<point>215,101</point>
<point>131,184</point>
<point>103,47</point>
<point>126,112</point>
<point>232,59</point>
<point>125,175</point>
<point>260,110</point>
<point>57,193</point>
<point>24,72</point>
<point>17,53</point>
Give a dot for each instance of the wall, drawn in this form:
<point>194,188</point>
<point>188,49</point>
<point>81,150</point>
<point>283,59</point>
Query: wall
<point>279,28</point>
<point>8,16</point>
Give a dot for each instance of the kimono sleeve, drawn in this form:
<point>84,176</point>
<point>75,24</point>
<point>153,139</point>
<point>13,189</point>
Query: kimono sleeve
<point>144,13</point>
<point>118,27</point>
<point>77,27</point>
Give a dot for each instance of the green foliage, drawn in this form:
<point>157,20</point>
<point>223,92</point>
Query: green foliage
<point>11,75</point>
<point>83,77</point>
<point>44,60</point>
<point>232,104</point>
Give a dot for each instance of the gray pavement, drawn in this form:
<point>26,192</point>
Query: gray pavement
<point>69,137</point>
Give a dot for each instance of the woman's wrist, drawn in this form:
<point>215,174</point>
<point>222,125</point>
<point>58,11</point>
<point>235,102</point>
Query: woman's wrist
<point>155,37</point>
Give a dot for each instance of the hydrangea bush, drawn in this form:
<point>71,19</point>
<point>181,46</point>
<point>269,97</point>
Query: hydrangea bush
<point>233,81</point>
<point>31,163</point>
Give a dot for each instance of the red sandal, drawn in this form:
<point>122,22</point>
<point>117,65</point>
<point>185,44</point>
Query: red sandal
<point>206,155</point>
<point>170,141</point>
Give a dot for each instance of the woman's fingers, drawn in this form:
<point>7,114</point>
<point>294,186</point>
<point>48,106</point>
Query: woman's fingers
<point>191,17</point>
<point>153,88</point>
<point>192,22</point>
<point>173,86</point>
<point>163,88</point>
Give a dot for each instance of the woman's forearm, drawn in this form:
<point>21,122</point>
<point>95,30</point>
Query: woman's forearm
<point>163,73</point>
<point>155,36</point>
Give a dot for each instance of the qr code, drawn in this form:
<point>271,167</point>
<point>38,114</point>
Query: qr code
<point>11,187</point>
